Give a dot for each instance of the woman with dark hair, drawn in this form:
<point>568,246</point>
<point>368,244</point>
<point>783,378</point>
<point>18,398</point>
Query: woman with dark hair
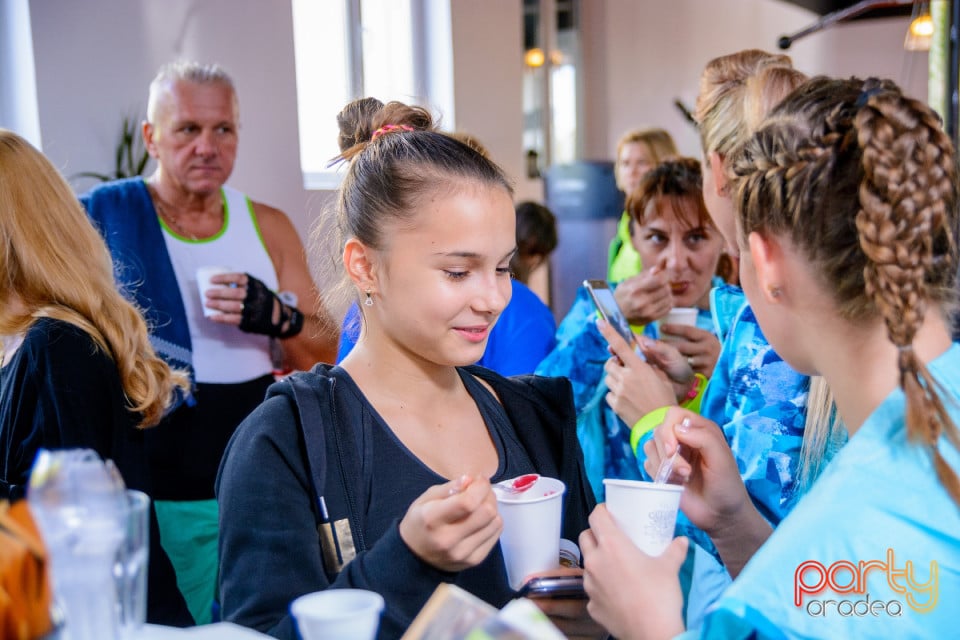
<point>427,230</point>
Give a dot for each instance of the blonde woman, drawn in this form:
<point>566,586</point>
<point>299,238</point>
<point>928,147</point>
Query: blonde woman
<point>78,369</point>
<point>638,151</point>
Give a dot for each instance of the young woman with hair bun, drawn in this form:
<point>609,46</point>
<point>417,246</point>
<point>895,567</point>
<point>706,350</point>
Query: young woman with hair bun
<point>427,231</point>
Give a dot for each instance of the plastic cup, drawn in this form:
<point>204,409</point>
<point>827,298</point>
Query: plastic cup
<point>338,614</point>
<point>645,511</point>
<point>530,540</point>
<point>678,315</point>
<point>130,570</point>
<point>203,284</point>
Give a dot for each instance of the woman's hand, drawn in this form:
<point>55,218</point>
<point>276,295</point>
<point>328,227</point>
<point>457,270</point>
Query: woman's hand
<point>646,296</point>
<point>632,594</point>
<point>453,526</point>
<point>700,348</point>
<point>714,497</point>
<point>665,357</point>
<point>569,614</point>
<point>635,387</point>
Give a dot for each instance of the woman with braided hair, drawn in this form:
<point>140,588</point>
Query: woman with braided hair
<point>846,213</point>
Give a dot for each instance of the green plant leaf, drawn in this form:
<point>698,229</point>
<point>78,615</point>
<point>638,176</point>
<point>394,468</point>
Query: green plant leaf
<point>130,157</point>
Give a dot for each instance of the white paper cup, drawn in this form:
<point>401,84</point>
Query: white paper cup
<point>678,315</point>
<point>203,284</point>
<point>645,511</point>
<point>530,540</point>
<point>682,315</point>
<point>338,614</point>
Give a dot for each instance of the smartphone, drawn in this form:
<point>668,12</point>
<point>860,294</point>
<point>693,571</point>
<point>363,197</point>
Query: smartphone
<point>559,587</point>
<point>606,304</point>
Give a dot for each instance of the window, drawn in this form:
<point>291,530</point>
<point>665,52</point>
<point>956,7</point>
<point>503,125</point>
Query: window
<point>346,49</point>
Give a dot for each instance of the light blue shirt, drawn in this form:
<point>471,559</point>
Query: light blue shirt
<point>879,496</point>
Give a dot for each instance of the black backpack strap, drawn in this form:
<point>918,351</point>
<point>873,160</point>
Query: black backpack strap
<point>338,522</point>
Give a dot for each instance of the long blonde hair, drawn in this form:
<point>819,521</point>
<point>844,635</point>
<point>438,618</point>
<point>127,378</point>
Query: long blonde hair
<point>658,143</point>
<point>54,264</point>
<point>721,112</point>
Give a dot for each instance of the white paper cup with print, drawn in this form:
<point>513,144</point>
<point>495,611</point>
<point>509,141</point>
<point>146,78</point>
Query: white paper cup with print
<point>678,315</point>
<point>203,284</point>
<point>338,614</point>
<point>645,511</point>
<point>530,540</point>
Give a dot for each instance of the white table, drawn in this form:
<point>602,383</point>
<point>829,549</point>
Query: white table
<point>217,631</point>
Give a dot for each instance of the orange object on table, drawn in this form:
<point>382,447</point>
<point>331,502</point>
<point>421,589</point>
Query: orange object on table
<point>25,591</point>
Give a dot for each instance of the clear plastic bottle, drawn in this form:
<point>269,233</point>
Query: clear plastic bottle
<point>78,503</point>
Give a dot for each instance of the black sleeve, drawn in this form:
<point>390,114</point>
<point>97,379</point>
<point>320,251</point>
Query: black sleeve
<point>59,391</point>
<point>269,547</point>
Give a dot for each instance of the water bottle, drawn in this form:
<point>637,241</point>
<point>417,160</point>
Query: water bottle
<point>78,502</point>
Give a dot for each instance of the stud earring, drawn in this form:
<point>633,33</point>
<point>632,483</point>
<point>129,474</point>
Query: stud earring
<point>369,301</point>
<point>774,292</point>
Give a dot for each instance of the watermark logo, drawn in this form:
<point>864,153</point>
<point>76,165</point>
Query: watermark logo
<point>845,577</point>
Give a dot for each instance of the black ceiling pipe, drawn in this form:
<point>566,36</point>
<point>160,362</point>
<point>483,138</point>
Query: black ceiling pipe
<point>835,17</point>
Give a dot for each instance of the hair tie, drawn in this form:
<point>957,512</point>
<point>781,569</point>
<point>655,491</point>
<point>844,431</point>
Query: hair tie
<point>865,96</point>
<point>387,128</point>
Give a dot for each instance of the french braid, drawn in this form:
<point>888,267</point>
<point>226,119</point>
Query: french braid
<point>862,179</point>
<point>908,181</point>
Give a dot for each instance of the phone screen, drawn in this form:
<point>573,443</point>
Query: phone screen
<point>606,304</point>
<point>561,587</point>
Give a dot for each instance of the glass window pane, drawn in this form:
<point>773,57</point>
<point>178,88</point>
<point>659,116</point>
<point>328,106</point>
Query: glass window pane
<point>387,50</point>
<point>321,69</point>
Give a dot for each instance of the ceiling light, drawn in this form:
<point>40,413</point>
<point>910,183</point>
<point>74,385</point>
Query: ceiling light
<point>920,32</point>
<point>534,57</point>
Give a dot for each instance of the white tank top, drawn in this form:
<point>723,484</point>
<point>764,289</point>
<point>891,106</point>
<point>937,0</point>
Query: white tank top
<point>221,352</point>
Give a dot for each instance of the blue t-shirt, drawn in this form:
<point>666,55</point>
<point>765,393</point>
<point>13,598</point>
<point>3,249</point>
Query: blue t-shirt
<point>879,501</point>
<point>522,337</point>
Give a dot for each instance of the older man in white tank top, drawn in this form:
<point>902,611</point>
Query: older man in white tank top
<point>160,231</point>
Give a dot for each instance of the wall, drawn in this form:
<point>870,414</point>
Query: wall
<point>640,56</point>
<point>487,68</point>
<point>94,60</point>
<point>87,82</point>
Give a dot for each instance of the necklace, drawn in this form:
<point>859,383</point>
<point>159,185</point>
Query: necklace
<point>170,218</point>
<point>173,220</point>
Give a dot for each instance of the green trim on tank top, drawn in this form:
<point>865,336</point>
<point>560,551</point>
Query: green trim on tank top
<point>256,227</point>
<point>218,234</point>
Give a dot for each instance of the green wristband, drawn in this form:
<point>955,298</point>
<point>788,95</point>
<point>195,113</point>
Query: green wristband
<point>645,425</point>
